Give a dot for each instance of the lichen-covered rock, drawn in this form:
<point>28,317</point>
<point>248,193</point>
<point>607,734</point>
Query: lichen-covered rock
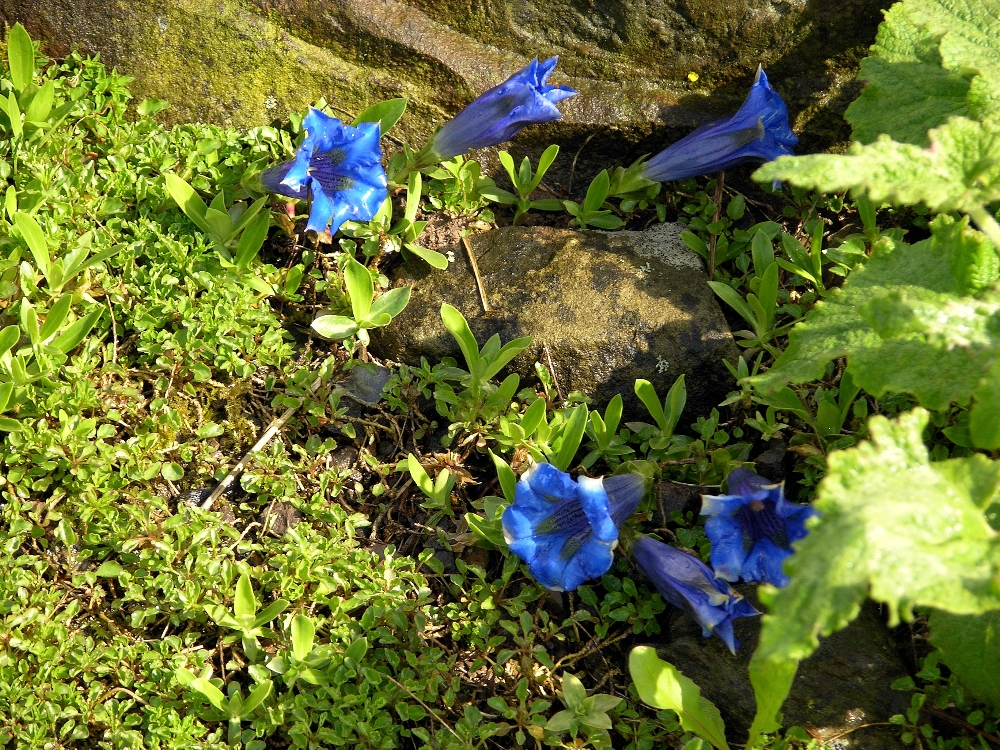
<point>608,307</point>
<point>246,62</point>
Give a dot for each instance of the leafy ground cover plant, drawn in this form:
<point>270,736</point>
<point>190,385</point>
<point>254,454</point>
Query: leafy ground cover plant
<point>156,314</point>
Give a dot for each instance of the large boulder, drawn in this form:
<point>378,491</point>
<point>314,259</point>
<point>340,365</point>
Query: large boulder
<point>609,307</point>
<point>246,62</point>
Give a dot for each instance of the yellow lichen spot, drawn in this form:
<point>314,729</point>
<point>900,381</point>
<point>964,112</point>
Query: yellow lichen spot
<point>693,77</point>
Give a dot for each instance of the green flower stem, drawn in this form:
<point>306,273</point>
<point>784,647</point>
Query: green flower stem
<point>987,224</point>
<point>420,160</point>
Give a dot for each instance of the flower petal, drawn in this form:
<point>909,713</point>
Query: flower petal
<point>562,529</point>
<point>763,564</point>
<point>272,179</point>
<point>502,112</point>
<point>625,492</point>
<point>729,550</point>
<point>751,531</point>
<point>688,583</point>
<point>759,131</point>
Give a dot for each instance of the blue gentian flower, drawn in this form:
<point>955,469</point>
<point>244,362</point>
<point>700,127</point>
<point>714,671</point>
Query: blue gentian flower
<point>340,166</point>
<point>752,528</point>
<point>688,583</point>
<point>759,131</point>
<point>500,114</point>
<point>566,530</point>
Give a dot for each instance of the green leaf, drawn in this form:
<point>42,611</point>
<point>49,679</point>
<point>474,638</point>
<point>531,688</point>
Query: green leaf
<point>431,257</point>
<point>613,415</point>
<point>414,187</point>
<point>661,685</point>
<point>908,91</point>
<point>271,611</point>
<point>386,114</point>
<point>772,681</point>
<point>547,204</point>
<point>41,103</point>
<point>544,162</point>
<point>357,649</point>
<point>149,107</point>
<point>735,300</point>
<point>70,338</point>
<point>220,225</point>
<point>507,161</point>
<point>211,692</point>
<point>189,201</point>
<point>10,202</point>
<point>8,337</point>
<point>597,193</point>
<point>252,239</point>
<point>210,429</point>
<point>335,326</point>
<point>762,250</point>
<point>172,471</point>
<point>604,220</point>
<point>959,172</point>
<point>13,114</point>
<point>360,287</point>
<point>510,350</point>
<point>574,692</point>
<point>675,402</point>
<point>257,696</point>
<point>55,317</point>
<point>969,33</point>
<point>458,327</point>
<point>508,480</point>
<point>560,722</point>
<point>498,195</point>
<point>970,646</point>
<point>647,394</point>
<point>33,235</point>
<point>892,524</point>
<point>984,421</point>
<point>972,258</point>
<point>391,303</point>
<point>244,604</point>
<point>489,531</point>
<point>20,57</point>
<point>109,569</point>
<point>572,435</point>
<point>902,327</point>
<point>419,475</point>
<point>6,391</point>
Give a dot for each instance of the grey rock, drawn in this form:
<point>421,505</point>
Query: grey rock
<point>248,62</point>
<point>343,458</point>
<point>608,308</point>
<point>365,382</point>
<point>771,463</point>
<point>278,517</point>
<point>673,497</point>
<point>843,685</point>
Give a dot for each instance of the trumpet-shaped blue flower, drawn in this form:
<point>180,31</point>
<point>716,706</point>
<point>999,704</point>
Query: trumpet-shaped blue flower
<point>688,583</point>
<point>567,530</point>
<point>759,131</point>
<point>500,114</point>
<point>340,166</point>
<point>752,528</point>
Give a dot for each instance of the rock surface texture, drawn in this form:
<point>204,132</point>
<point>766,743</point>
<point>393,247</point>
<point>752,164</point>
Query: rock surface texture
<point>246,62</point>
<point>607,307</point>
